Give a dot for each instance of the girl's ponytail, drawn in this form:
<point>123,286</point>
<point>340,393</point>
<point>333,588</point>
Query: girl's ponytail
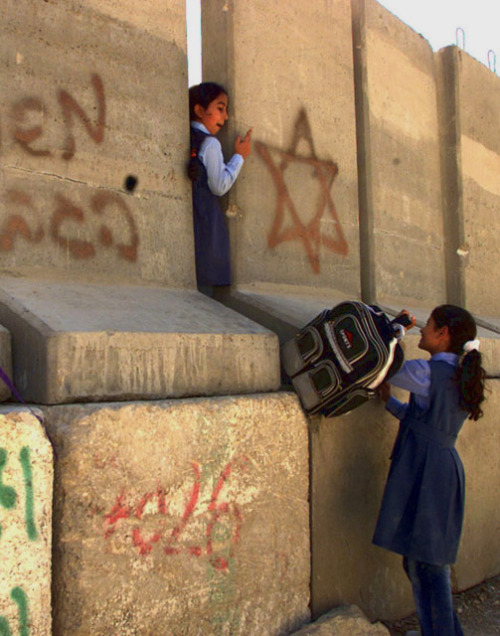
<point>470,373</point>
<point>471,378</point>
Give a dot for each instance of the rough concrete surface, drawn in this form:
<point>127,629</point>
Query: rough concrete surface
<point>478,445</point>
<point>398,156</point>
<point>478,128</point>
<point>78,341</point>
<point>343,621</point>
<point>181,517</point>
<point>289,75</point>
<point>26,476</point>
<point>94,92</point>
<point>5,361</point>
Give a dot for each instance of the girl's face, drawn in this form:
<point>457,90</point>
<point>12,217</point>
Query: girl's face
<point>434,339</point>
<point>214,116</point>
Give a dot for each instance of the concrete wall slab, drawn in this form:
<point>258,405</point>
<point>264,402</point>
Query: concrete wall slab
<point>77,341</point>
<point>289,75</point>
<point>402,243</point>
<point>478,444</point>
<point>26,474</point>
<point>91,94</point>
<point>181,517</point>
<point>471,161</point>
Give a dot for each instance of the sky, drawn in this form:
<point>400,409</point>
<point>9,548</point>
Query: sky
<point>477,21</point>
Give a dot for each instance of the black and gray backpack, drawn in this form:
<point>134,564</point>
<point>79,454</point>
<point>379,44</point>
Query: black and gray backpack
<point>337,361</point>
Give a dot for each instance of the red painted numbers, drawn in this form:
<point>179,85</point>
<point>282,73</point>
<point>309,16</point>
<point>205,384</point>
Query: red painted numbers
<point>216,525</point>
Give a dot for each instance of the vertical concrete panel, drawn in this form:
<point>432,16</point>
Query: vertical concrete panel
<point>471,159</point>
<point>288,70</point>
<point>25,526</point>
<point>478,445</point>
<point>186,517</point>
<point>398,148</point>
<point>350,460</point>
<point>92,93</point>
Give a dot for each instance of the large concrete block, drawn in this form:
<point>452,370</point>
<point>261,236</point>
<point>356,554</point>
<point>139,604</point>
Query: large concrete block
<point>26,477</point>
<point>77,341</point>
<point>181,517</point>
<point>288,70</point>
<point>94,92</point>
<point>402,244</point>
<point>470,99</point>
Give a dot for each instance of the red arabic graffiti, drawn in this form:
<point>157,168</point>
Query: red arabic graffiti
<point>66,218</point>
<point>324,173</point>
<point>170,540</point>
<point>27,108</point>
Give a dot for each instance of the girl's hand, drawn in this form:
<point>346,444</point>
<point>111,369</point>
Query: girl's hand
<point>243,146</point>
<point>413,319</point>
<point>384,391</point>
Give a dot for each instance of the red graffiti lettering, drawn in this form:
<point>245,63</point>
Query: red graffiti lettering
<point>69,106</point>
<point>218,509</point>
<point>66,216</point>
<point>218,512</point>
<point>67,211</point>
<point>29,108</point>
<point>117,512</point>
<point>26,136</point>
<point>127,251</point>
<point>15,224</point>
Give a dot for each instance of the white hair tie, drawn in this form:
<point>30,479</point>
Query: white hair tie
<point>471,345</point>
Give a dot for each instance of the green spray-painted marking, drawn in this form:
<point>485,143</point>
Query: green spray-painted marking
<point>4,627</point>
<point>24,458</point>
<point>8,495</point>
<point>21,600</point>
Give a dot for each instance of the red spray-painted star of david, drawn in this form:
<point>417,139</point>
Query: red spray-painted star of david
<point>324,173</point>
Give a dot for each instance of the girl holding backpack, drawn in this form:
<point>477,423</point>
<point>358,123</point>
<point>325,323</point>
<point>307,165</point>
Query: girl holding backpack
<point>422,509</point>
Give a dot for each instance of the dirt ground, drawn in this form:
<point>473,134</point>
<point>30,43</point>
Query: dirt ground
<point>477,608</point>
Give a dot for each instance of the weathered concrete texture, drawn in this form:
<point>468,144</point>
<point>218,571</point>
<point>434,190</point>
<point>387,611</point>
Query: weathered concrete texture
<point>343,621</point>
<point>93,92</point>
<point>95,342</point>
<point>289,76</point>
<point>402,245</point>
<point>282,308</point>
<point>479,445</point>
<point>5,361</point>
<point>181,517</point>
<point>26,477</point>
<point>470,96</point>
<point>350,461</point>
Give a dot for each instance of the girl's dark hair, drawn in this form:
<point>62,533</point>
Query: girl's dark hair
<point>470,374</point>
<point>203,94</point>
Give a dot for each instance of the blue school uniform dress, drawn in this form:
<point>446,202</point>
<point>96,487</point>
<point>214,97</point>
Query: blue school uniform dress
<point>422,509</point>
<point>211,178</point>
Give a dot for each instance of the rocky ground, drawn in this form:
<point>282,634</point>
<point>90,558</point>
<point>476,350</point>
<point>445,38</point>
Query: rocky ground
<point>478,609</point>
